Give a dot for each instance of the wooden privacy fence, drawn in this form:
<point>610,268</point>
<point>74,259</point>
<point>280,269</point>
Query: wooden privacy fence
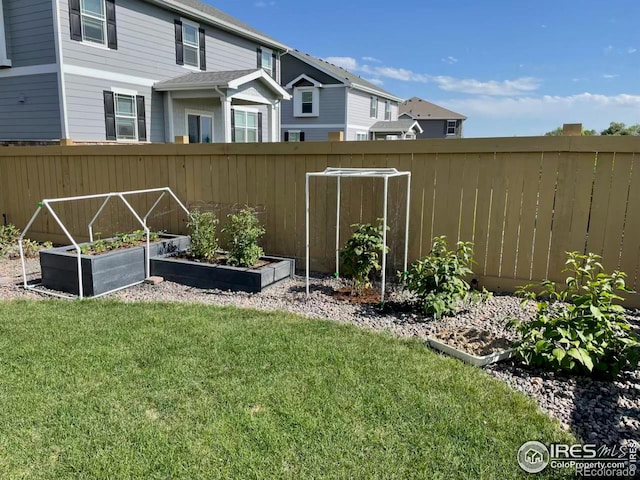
<point>522,201</point>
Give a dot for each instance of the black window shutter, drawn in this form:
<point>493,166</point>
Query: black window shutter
<point>109,115</point>
<point>274,65</point>
<point>302,136</point>
<point>203,52</point>
<point>112,35</point>
<point>74,20</point>
<point>259,58</point>
<point>142,118</point>
<point>179,46</point>
<point>233,125</point>
<point>286,136</point>
<point>446,127</point>
<point>259,127</point>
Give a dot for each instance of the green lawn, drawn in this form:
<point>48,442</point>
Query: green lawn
<point>98,389</point>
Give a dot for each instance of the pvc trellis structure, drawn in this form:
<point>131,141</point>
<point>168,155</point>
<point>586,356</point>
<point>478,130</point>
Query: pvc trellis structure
<point>46,203</point>
<point>339,173</point>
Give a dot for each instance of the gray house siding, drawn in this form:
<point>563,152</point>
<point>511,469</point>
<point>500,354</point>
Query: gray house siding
<point>292,68</point>
<point>331,105</point>
<point>29,32</point>
<point>37,116</point>
<point>436,129</point>
<point>146,45</point>
<point>312,134</point>
<point>85,108</point>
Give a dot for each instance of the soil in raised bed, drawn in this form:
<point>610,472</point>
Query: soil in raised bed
<point>473,341</point>
<point>220,259</point>
<point>112,245</point>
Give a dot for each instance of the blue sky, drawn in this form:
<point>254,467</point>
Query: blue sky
<point>512,67</point>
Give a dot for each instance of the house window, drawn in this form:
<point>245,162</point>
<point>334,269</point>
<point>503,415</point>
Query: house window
<point>246,126</point>
<point>294,136</point>
<point>451,127</point>
<point>387,110</point>
<point>191,44</point>
<point>373,111</point>
<point>94,21</point>
<point>267,61</point>
<point>199,128</point>
<point>306,102</point>
<point>126,117</point>
<point>362,136</point>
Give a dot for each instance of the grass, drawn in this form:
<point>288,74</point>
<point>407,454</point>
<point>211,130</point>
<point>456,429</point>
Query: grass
<point>98,389</point>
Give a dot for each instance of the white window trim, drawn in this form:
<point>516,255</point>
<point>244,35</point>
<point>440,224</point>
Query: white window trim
<point>366,135</point>
<point>197,27</point>
<point>248,110</point>
<point>4,60</point>
<point>296,132</point>
<point>269,53</point>
<point>297,101</point>
<point>371,104</point>
<point>455,128</point>
<point>105,40</point>
<point>129,93</point>
<point>199,113</point>
<point>387,110</point>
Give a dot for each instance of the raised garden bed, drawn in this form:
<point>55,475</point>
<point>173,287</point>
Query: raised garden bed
<point>103,272</point>
<point>223,277</point>
<point>472,346</point>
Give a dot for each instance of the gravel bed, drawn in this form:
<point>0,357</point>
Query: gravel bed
<point>600,412</point>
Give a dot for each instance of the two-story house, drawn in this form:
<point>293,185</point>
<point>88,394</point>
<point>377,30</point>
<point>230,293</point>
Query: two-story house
<point>135,71</point>
<point>327,98</point>
<point>435,121</point>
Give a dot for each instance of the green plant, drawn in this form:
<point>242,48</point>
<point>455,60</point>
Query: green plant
<point>579,329</point>
<point>361,254</point>
<point>243,231</point>
<point>9,235</point>
<point>438,279</point>
<point>202,229</point>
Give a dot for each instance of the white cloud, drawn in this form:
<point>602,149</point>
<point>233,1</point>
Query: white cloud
<point>534,115</point>
<point>375,81</point>
<point>348,63</point>
<point>263,3</point>
<point>631,50</point>
<point>610,75</point>
<point>450,60</point>
<point>371,59</point>
<point>608,49</point>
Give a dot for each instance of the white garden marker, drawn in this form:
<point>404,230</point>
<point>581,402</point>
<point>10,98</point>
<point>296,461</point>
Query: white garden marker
<point>339,173</point>
<point>46,203</point>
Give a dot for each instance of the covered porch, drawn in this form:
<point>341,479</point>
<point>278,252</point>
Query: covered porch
<point>240,106</point>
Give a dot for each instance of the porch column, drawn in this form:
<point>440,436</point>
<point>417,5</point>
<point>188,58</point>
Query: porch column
<point>226,115</point>
<point>274,131</point>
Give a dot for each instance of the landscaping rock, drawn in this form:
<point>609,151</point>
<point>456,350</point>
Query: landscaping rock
<point>4,281</point>
<point>154,280</point>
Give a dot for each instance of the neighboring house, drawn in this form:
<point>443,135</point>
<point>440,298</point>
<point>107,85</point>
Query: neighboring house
<point>135,71</point>
<point>328,98</point>
<point>435,121</point>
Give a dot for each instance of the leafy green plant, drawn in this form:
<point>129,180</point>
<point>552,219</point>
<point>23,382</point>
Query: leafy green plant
<point>9,235</point>
<point>438,279</point>
<point>202,229</point>
<point>243,232</point>
<point>579,328</point>
<point>361,254</point>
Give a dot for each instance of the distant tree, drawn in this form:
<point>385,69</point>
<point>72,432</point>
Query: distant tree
<point>619,128</point>
<point>558,132</point>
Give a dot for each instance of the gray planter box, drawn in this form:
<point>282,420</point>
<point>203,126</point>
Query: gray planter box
<point>105,272</point>
<point>223,277</point>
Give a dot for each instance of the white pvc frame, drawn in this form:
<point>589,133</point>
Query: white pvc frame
<point>339,173</point>
<point>46,203</point>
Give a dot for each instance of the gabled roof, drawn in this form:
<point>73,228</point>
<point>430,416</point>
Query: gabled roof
<point>211,15</point>
<point>345,76</point>
<point>419,109</point>
<point>230,79</point>
<point>402,125</point>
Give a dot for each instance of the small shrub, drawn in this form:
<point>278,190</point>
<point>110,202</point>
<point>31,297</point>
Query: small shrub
<point>579,329</point>
<point>361,254</point>
<point>202,229</point>
<point>243,231</point>
<point>9,235</point>
<point>438,279</point>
